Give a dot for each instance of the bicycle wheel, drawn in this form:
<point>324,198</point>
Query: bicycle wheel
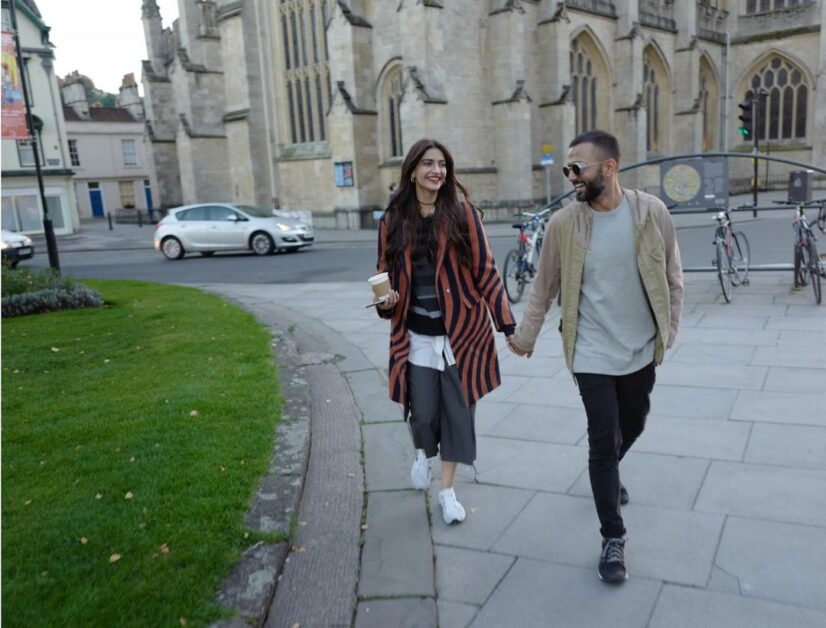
<point>801,264</point>
<point>814,269</point>
<point>740,258</point>
<point>724,271</point>
<point>513,276</point>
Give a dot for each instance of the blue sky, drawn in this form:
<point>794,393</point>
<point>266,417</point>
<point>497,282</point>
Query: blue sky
<point>102,39</point>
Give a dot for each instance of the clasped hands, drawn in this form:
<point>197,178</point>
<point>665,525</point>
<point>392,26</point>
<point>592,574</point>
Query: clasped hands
<point>516,350</point>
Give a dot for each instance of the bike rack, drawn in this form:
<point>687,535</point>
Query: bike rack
<point>555,203</point>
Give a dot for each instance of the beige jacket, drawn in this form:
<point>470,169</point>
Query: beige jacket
<point>562,259</point>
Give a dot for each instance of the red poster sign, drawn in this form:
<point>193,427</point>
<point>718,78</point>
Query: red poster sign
<point>14,108</point>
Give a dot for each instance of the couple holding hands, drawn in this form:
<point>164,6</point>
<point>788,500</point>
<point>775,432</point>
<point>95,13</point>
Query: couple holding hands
<point>611,256</point>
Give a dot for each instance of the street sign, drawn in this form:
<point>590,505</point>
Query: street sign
<point>547,148</point>
<point>546,160</point>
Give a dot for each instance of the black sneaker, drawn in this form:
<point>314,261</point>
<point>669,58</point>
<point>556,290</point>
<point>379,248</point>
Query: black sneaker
<point>623,495</point>
<point>612,561</point>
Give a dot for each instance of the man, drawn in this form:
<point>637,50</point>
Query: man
<point>613,255</point>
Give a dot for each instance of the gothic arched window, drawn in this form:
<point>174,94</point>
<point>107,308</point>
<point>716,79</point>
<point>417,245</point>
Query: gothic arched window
<point>390,111</point>
<point>655,94</point>
<point>709,104</point>
<point>584,86</point>
<point>307,73</point>
<point>784,95</point>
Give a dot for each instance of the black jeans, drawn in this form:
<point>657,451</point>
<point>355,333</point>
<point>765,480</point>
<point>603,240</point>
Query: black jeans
<point>616,406</point>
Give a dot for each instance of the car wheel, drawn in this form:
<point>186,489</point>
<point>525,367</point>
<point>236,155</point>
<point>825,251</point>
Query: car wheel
<point>261,243</point>
<point>172,248</point>
<point>207,253</point>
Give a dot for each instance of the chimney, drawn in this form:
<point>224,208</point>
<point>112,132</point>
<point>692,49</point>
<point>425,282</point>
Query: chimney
<point>74,95</point>
<point>128,97</point>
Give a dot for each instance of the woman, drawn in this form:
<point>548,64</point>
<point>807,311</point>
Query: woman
<point>444,280</point>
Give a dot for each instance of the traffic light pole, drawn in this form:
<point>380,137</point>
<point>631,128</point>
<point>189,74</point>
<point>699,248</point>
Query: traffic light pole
<point>755,150</point>
<point>48,226</point>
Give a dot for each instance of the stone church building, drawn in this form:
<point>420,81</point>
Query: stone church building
<point>311,104</point>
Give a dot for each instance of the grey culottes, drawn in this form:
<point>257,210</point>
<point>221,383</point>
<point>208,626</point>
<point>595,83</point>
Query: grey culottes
<point>440,419</point>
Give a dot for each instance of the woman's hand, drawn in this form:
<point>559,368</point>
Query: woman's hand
<point>390,302</point>
<point>516,350</point>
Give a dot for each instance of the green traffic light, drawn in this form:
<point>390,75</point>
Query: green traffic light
<point>744,131</point>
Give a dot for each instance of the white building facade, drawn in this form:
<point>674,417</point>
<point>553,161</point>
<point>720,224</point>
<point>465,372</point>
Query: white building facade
<point>106,150</point>
<point>311,104</point>
<point>21,205</point>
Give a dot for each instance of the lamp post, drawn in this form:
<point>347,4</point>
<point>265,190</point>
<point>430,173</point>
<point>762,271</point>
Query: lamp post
<point>34,138</point>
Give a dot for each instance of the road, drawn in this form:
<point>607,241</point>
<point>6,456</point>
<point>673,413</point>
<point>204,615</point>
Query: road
<point>770,236</point>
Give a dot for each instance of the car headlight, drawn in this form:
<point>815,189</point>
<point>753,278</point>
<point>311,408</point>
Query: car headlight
<point>284,227</point>
<point>4,245</point>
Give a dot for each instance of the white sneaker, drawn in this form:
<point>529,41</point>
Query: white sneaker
<point>420,472</point>
<point>452,510</point>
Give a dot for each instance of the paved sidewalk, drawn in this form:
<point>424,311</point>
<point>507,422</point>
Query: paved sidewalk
<point>728,483</point>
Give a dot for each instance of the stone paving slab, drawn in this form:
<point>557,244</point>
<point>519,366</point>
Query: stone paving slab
<point>664,544</point>
<point>455,614</point>
<point>537,594</point>
<point>765,492</point>
<point>736,310</point>
<point>490,510</point>
<point>792,354</point>
<point>559,391</point>
<point>656,480</point>
<point>684,607</point>
<point>805,380</point>
<point>710,375</point>
<point>489,413</point>
<point>370,388</point>
<point>535,366</point>
<point>787,445</point>
<point>745,321</point>
<point>692,403</point>
<point>387,467</point>
<point>775,561</point>
<point>403,612</point>
<point>700,438</point>
<point>711,354</point>
<point>468,576</point>
<point>781,407</point>
<point>396,559</point>
<point>729,336</point>
<point>812,322</point>
<point>542,424</point>
<point>528,465</point>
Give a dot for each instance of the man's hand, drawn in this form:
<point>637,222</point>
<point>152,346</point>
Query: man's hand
<point>517,350</point>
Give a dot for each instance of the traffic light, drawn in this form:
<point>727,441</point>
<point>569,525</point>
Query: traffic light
<point>746,118</point>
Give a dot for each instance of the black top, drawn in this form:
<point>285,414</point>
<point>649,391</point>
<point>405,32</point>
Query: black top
<point>424,315</point>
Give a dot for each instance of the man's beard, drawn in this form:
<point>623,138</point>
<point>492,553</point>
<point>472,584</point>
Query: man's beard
<point>592,189</point>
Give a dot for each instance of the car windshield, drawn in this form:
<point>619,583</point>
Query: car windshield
<point>257,212</point>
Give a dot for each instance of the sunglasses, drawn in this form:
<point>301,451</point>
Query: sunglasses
<point>577,167</point>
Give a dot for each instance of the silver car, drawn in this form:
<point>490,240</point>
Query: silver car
<point>15,247</point>
<point>209,227</point>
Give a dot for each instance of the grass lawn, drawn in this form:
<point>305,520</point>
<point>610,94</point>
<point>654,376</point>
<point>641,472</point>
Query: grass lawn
<point>132,437</point>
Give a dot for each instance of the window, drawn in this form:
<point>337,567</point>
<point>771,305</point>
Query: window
<point>391,97</point>
<point>307,75</point>
<point>767,6</point>
<point>784,100</point>
<point>130,152</point>
<point>25,153</point>
<point>73,154</point>
<point>709,104</point>
<point>584,85</point>
<point>127,193</point>
<point>194,213</point>
<point>219,212</point>
<point>655,94</point>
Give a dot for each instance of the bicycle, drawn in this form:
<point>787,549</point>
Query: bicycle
<point>520,262</point>
<point>732,254</point>
<point>808,267</point>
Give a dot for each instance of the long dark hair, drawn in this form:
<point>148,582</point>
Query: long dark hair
<point>404,220</point>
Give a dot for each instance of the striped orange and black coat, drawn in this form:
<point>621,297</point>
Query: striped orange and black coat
<point>466,296</point>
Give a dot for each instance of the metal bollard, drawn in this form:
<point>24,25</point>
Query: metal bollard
<point>109,218</point>
<point>140,218</point>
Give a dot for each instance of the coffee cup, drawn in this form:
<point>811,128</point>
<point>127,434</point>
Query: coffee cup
<point>380,284</point>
